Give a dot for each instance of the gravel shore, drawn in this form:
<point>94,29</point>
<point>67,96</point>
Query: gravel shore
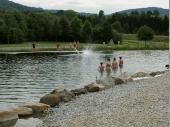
<point>142,103</point>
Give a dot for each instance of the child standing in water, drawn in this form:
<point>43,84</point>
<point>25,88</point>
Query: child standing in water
<point>120,64</point>
<point>101,67</point>
<point>114,65</point>
<point>108,66</point>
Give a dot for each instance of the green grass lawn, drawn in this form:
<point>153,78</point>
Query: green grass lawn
<point>130,42</point>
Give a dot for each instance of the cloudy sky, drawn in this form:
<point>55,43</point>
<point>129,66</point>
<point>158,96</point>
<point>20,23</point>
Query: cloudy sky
<point>94,6</point>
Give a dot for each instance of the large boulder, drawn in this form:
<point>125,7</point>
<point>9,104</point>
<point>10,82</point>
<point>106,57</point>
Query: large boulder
<point>65,95</point>
<point>8,118</point>
<point>94,87</point>
<point>80,91</point>
<point>51,99</point>
<point>140,74</point>
<point>126,77</point>
<point>23,111</point>
<point>37,108</point>
<point>118,81</point>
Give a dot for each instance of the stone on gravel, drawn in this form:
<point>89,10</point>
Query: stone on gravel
<point>51,99</point>
<point>156,73</point>
<point>108,82</point>
<point>8,118</point>
<point>37,108</point>
<point>65,95</point>
<point>118,81</point>
<point>23,111</point>
<point>93,87</point>
<point>78,92</point>
<point>140,74</point>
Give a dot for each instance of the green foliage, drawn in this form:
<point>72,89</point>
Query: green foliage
<point>86,31</point>
<point>76,28</point>
<point>145,33</point>
<point>101,13</point>
<point>117,26</point>
<point>116,37</point>
<point>65,29</point>
<point>67,26</point>
<point>56,30</point>
<point>105,32</point>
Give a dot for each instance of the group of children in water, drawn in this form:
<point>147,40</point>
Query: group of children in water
<point>111,65</point>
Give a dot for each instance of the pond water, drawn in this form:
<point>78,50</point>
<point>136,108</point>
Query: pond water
<point>26,78</point>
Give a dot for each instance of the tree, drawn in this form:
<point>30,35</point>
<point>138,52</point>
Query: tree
<point>86,32</point>
<point>101,13</point>
<point>106,31</point>
<point>116,37</point>
<point>117,26</point>
<point>56,30</point>
<point>3,35</point>
<point>145,33</point>
<point>65,29</point>
<point>76,28</point>
<point>156,13</point>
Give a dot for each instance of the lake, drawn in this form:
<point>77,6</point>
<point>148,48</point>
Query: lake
<point>26,78</point>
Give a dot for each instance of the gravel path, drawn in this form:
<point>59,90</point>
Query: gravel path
<point>142,103</point>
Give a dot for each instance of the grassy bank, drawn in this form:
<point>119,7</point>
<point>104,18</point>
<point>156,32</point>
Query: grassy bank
<point>130,42</point>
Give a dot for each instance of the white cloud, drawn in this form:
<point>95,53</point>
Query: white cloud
<point>94,6</point>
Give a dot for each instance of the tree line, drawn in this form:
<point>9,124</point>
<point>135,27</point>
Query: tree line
<point>67,26</point>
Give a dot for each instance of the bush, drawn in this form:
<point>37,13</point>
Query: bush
<point>145,33</point>
<point>116,37</point>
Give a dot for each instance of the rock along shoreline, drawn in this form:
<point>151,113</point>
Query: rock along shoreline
<point>60,96</point>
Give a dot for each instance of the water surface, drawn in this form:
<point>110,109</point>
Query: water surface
<point>26,78</point>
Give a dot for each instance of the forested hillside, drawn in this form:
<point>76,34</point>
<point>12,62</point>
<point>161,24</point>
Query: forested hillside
<point>67,26</point>
<point>11,6</point>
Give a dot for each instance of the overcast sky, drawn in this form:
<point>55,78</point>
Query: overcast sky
<point>93,6</point>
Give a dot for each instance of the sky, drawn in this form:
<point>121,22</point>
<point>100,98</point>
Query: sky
<point>93,6</point>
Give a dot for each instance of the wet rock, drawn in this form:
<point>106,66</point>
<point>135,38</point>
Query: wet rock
<point>51,99</point>
<point>65,95</point>
<point>8,118</point>
<point>156,73</point>
<point>118,81</point>
<point>23,111</point>
<point>80,91</point>
<point>94,87</point>
<point>37,108</point>
<point>126,77</point>
<point>140,74</point>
